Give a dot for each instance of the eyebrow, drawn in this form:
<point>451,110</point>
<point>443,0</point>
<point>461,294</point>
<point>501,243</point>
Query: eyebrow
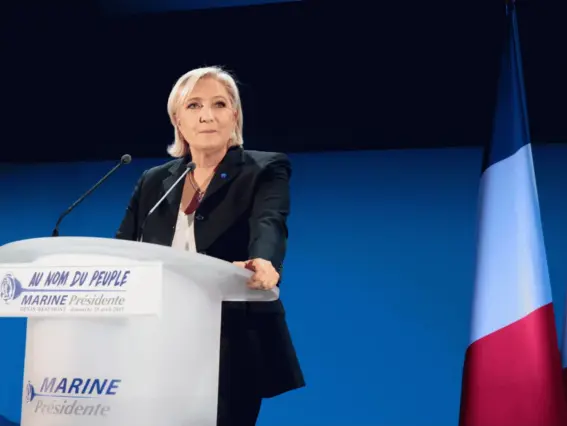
<point>200,99</point>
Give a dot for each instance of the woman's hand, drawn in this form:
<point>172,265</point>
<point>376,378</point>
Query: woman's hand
<point>265,275</point>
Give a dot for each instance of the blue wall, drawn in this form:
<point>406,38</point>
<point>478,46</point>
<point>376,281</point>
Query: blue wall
<point>378,276</point>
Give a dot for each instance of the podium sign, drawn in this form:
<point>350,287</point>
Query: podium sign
<point>119,332</point>
<point>74,290</point>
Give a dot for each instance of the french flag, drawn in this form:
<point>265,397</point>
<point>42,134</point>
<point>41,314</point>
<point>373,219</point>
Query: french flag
<point>564,352</point>
<point>512,368</point>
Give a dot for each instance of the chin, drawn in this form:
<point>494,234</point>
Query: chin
<point>210,144</point>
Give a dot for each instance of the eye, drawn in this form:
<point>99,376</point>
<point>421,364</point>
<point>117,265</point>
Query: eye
<point>220,104</point>
<point>193,105</point>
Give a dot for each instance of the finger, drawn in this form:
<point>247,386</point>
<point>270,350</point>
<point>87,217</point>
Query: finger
<point>255,285</point>
<point>257,281</point>
<point>263,269</point>
<point>270,285</point>
<point>254,280</point>
<point>259,262</point>
<point>262,284</point>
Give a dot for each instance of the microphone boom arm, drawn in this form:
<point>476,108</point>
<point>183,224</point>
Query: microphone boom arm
<point>189,168</point>
<point>124,160</point>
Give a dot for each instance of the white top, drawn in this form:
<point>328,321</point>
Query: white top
<point>184,237</point>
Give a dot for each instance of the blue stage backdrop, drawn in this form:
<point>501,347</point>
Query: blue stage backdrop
<point>378,279</point>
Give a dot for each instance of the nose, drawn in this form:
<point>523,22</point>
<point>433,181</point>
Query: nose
<point>206,115</point>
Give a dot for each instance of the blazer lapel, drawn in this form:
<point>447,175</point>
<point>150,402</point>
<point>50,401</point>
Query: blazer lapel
<point>173,199</point>
<point>228,169</point>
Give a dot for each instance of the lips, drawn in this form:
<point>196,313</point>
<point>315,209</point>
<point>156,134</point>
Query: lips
<point>208,131</point>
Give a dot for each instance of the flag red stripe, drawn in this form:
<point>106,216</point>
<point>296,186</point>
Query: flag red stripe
<point>512,377</point>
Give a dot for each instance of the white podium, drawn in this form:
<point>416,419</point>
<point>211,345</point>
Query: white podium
<point>119,333</point>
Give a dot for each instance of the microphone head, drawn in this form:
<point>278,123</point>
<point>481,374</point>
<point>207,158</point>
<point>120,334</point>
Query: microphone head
<point>126,158</point>
<point>191,166</point>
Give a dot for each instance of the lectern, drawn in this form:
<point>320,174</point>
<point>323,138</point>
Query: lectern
<point>119,333</point>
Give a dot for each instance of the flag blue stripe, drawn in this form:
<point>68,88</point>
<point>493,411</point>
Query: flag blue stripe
<point>510,130</point>
<point>512,277</point>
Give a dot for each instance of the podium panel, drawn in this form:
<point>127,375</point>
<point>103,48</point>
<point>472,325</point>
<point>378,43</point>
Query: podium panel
<point>143,369</point>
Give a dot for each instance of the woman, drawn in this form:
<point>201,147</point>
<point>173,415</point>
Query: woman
<point>234,207</point>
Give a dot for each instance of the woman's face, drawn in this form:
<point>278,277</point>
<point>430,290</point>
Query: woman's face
<point>207,119</point>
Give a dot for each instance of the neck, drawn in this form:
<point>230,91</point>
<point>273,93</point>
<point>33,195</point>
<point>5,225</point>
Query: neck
<point>207,160</point>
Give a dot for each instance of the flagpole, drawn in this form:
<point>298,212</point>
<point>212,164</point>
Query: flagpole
<point>512,367</point>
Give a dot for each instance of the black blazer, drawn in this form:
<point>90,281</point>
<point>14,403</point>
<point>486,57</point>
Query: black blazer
<point>242,216</point>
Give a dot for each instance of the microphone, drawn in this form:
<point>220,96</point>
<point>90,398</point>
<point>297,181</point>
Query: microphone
<point>190,167</point>
<point>126,159</point>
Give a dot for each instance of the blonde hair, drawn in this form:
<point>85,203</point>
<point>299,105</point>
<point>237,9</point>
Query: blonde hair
<point>181,92</point>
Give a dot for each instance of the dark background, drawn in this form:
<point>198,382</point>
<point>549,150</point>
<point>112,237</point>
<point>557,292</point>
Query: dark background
<point>80,83</point>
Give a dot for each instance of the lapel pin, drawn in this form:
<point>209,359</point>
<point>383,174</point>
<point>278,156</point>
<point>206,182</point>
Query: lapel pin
<point>223,175</point>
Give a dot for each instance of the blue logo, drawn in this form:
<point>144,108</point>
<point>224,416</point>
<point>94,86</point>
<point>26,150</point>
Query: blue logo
<point>30,392</point>
<point>10,288</point>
